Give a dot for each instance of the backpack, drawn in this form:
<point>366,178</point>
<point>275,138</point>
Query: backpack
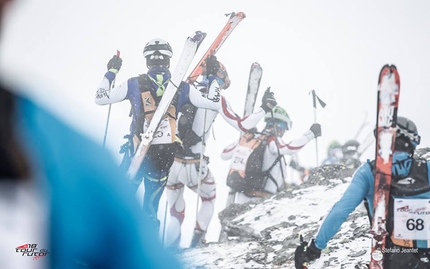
<point>185,127</point>
<point>404,190</point>
<point>159,157</point>
<point>246,170</point>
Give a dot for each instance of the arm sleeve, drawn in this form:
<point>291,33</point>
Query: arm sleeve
<point>428,170</point>
<point>197,99</point>
<point>240,124</point>
<point>216,101</point>
<point>292,147</point>
<point>352,197</point>
<point>106,95</point>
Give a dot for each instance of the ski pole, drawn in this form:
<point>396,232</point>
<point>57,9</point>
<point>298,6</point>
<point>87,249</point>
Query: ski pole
<point>314,99</point>
<point>108,116</point>
<point>276,141</point>
<point>163,237</point>
<point>316,138</point>
<point>201,165</point>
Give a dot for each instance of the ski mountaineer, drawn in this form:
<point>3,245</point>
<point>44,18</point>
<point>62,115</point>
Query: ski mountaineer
<point>144,92</point>
<point>198,107</point>
<point>351,157</point>
<point>62,197</point>
<point>407,247</point>
<point>334,153</point>
<point>271,174</point>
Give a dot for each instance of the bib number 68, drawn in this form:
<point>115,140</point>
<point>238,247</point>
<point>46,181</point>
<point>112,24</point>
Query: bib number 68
<point>412,224</point>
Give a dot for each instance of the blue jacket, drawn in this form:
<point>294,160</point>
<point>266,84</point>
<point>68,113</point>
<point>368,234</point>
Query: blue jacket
<point>94,216</point>
<point>362,186</point>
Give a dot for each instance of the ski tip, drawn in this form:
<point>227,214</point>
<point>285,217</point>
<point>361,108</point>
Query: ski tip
<point>239,14</point>
<point>198,36</point>
<point>389,69</point>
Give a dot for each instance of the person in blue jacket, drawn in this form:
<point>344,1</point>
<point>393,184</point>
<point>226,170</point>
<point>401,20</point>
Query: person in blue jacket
<point>410,185</point>
<point>63,201</point>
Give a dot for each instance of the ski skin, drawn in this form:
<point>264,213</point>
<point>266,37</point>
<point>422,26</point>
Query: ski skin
<point>388,100</point>
<point>189,51</point>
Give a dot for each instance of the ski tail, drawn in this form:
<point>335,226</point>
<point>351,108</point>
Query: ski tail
<point>232,22</point>
<point>388,100</point>
<point>189,51</point>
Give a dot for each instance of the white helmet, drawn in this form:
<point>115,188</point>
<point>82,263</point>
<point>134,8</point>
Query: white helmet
<point>157,52</point>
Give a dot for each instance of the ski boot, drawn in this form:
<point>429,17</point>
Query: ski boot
<point>198,238</point>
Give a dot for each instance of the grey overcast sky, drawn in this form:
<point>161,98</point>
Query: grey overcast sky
<point>336,47</point>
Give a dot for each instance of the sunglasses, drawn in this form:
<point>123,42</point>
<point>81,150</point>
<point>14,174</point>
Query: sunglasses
<point>280,125</point>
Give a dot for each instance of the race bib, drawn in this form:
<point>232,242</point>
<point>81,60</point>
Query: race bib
<point>165,132</point>
<point>411,219</point>
<point>240,157</point>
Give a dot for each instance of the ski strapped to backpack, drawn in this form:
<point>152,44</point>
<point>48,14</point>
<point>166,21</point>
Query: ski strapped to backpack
<point>187,56</point>
<point>388,100</point>
<point>188,53</point>
<point>255,74</point>
<point>254,80</point>
<point>232,22</point>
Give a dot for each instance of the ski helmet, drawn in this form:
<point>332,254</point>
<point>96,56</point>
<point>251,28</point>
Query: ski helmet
<point>223,76</point>
<point>407,138</point>
<point>350,147</point>
<point>157,52</point>
<point>279,115</point>
<point>333,145</point>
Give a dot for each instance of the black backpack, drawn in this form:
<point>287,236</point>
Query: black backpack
<point>253,178</point>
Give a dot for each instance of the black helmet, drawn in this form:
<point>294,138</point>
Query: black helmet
<point>157,52</point>
<point>407,138</point>
<point>350,147</point>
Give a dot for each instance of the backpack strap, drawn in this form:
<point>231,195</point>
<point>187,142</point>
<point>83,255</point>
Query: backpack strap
<point>267,173</point>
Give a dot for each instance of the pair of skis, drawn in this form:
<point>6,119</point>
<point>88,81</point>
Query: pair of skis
<point>188,53</point>
<point>388,101</point>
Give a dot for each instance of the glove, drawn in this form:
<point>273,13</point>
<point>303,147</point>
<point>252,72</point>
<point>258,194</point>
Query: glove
<point>114,64</point>
<point>268,101</point>
<point>296,166</point>
<point>212,65</point>
<point>316,129</point>
<point>305,253</point>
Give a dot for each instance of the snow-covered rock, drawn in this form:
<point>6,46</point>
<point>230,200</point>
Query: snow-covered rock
<point>265,234</point>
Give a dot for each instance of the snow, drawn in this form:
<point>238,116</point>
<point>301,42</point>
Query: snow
<point>284,219</point>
